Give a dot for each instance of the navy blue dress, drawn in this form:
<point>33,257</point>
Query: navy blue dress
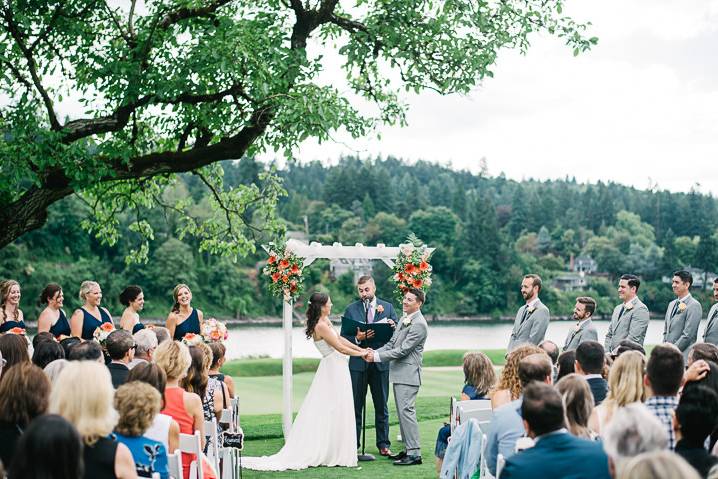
<point>61,326</point>
<point>442,439</point>
<point>8,325</point>
<point>189,325</point>
<point>91,323</point>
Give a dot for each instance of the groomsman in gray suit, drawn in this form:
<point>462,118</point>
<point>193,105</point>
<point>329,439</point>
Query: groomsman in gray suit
<point>630,318</point>
<point>710,335</point>
<point>405,351</point>
<point>532,318</point>
<point>683,315</point>
<point>584,330</point>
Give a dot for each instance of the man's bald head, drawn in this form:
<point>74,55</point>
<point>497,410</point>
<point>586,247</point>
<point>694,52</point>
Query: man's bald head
<point>535,367</point>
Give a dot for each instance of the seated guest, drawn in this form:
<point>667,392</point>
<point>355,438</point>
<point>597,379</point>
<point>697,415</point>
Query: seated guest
<point>695,418</point>
<point>627,345</point>
<point>633,431</point>
<point>83,395</point>
<point>578,401</point>
<point>121,349</point>
<point>86,351</point>
<point>145,345</point>
<point>138,403</point>
<point>13,348</point>
<point>46,352</point>
<point>625,382</point>
<point>162,333</point>
<point>212,392</point>
<point>663,378</point>
<point>551,348</point>
<point>163,428</point>
<point>218,359</point>
<point>40,337</point>
<point>184,407</point>
<point>68,343</point>
<point>506,425</point>
<point>509,387</point>
<point>705,351</point>
<point>57,442</point>
<point>556,454</point>
<point>658,465</point>
<point>566,364</point>
<point>53,370</point>
<point>479,378</point>
<point>24,390</point>
<point>590,359</point>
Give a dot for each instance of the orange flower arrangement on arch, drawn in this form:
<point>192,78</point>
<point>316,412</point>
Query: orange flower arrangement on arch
<point>412,268</point>
<point>284,269</point>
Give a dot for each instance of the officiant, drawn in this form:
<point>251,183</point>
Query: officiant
<point>370,309</point>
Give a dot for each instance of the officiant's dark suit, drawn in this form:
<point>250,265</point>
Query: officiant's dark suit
<point>375,375</point>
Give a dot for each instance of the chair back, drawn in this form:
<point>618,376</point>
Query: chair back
<point>210,432</point>
<point>478,409</point>
<point>174,464</point>
<point>192,444</point>
<point>500,463</point>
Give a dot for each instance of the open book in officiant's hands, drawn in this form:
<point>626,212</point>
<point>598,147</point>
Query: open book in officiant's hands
<point>383,330</point>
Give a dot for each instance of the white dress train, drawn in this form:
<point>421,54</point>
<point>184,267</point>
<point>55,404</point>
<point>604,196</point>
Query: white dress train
<point>324,432</point>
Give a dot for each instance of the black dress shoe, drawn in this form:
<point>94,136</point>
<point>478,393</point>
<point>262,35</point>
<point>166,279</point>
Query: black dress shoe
<point>397,456</point>
<point>408,461</point>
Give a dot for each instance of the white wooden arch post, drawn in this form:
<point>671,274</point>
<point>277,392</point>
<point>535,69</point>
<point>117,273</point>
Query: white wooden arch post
<point>309,253</point>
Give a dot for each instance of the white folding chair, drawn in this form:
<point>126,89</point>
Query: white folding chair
<point>192,444</point>
<point>483,468</point>
<point>174,464</point>
<point>210,432</point>
<point>226,418</point>
<point>479,410</point>
<point>500,463</point>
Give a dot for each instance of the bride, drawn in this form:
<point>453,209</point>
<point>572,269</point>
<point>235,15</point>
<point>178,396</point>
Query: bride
<point>324,432</point>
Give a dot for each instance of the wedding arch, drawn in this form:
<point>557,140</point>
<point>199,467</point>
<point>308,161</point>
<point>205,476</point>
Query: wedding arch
<point>309,253</point>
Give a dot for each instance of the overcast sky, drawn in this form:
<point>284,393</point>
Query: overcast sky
<point>640,108</point>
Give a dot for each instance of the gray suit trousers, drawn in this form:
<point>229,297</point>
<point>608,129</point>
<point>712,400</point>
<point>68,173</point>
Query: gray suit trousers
<point>405,397</point>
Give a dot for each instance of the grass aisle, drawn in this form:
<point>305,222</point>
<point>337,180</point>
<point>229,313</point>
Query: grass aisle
<point>260,396</point>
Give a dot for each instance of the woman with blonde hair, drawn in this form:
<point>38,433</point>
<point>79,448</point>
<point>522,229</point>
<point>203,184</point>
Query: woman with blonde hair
<point>578,405</point>
<point>90,316</point>
<point>509,387</point>
<point>184,407</point>
<point>10,314</point>
<point>83,395</point>
<point>183,318</point>
<point>625,386</point>
<point>657,465</point>
<point>138,403</point>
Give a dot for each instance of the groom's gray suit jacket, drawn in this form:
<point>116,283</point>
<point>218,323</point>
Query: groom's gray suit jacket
<point>405,350</point>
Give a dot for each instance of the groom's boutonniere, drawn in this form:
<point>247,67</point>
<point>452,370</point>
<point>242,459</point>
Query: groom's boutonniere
<point>682,306</point>
<point>406,321</point>
<point>379,308</point>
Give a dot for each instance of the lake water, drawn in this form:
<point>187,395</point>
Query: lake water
<point>247,341</point>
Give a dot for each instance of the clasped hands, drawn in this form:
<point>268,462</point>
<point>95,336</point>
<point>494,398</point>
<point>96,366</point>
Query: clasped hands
<point>368,355</point>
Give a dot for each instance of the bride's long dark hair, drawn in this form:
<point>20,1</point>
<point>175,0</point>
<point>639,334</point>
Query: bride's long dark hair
<point>314,311</point>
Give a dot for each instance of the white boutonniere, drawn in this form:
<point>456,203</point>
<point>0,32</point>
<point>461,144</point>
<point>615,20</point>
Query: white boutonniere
<point>682,306</point>
<point>406,321</point>
<point>379,308</point>
<point>531,309</point>
<point>628,307</point>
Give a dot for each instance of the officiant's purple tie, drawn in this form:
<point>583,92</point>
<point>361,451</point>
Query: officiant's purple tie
<point>370,314</point>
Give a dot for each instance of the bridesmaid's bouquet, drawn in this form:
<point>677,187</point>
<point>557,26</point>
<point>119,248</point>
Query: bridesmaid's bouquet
<point>102,332</point>
<point>191,339</point>
<point>214,331</point>
<point>20,332</point>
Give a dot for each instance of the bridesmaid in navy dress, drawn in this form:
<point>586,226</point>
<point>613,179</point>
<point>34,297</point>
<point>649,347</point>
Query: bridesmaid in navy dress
<point>183,317</point>
<point>133,299</point>
<point>90,316</point>
<point>10,314</point>
<point>52,318</point>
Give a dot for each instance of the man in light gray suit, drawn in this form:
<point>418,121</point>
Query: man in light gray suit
<point>683,315</point>
<point>584,330</point>
<point>710,335</point>
<point>405,351</point>
<point>532,318</point>
<point>630,318</point>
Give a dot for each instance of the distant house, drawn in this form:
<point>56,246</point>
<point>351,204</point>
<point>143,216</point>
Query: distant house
<point>340,267</point>
<point>584,264</point>
<point>698,276</point>
<point>571,281</point>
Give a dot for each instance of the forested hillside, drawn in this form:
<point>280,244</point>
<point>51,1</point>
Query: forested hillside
<point>488,231</point>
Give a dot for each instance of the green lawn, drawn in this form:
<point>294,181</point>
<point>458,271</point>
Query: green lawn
<point>261,398</point>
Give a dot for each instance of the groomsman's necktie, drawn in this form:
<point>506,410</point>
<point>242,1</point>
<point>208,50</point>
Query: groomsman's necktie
<point>526,313</point>
<point>675,308</point>
<point>623,310</point>
<point>713,316</point>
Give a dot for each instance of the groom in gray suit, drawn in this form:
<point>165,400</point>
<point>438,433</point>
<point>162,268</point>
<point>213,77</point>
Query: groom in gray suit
<point>683,315</point>
<point>532,318</point>
<point>405,351</point>
<point>584,330</point>
<point>710,335</point>
<point>630,318</point>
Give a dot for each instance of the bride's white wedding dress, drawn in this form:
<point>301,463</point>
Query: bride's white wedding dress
<point>324,432</point>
